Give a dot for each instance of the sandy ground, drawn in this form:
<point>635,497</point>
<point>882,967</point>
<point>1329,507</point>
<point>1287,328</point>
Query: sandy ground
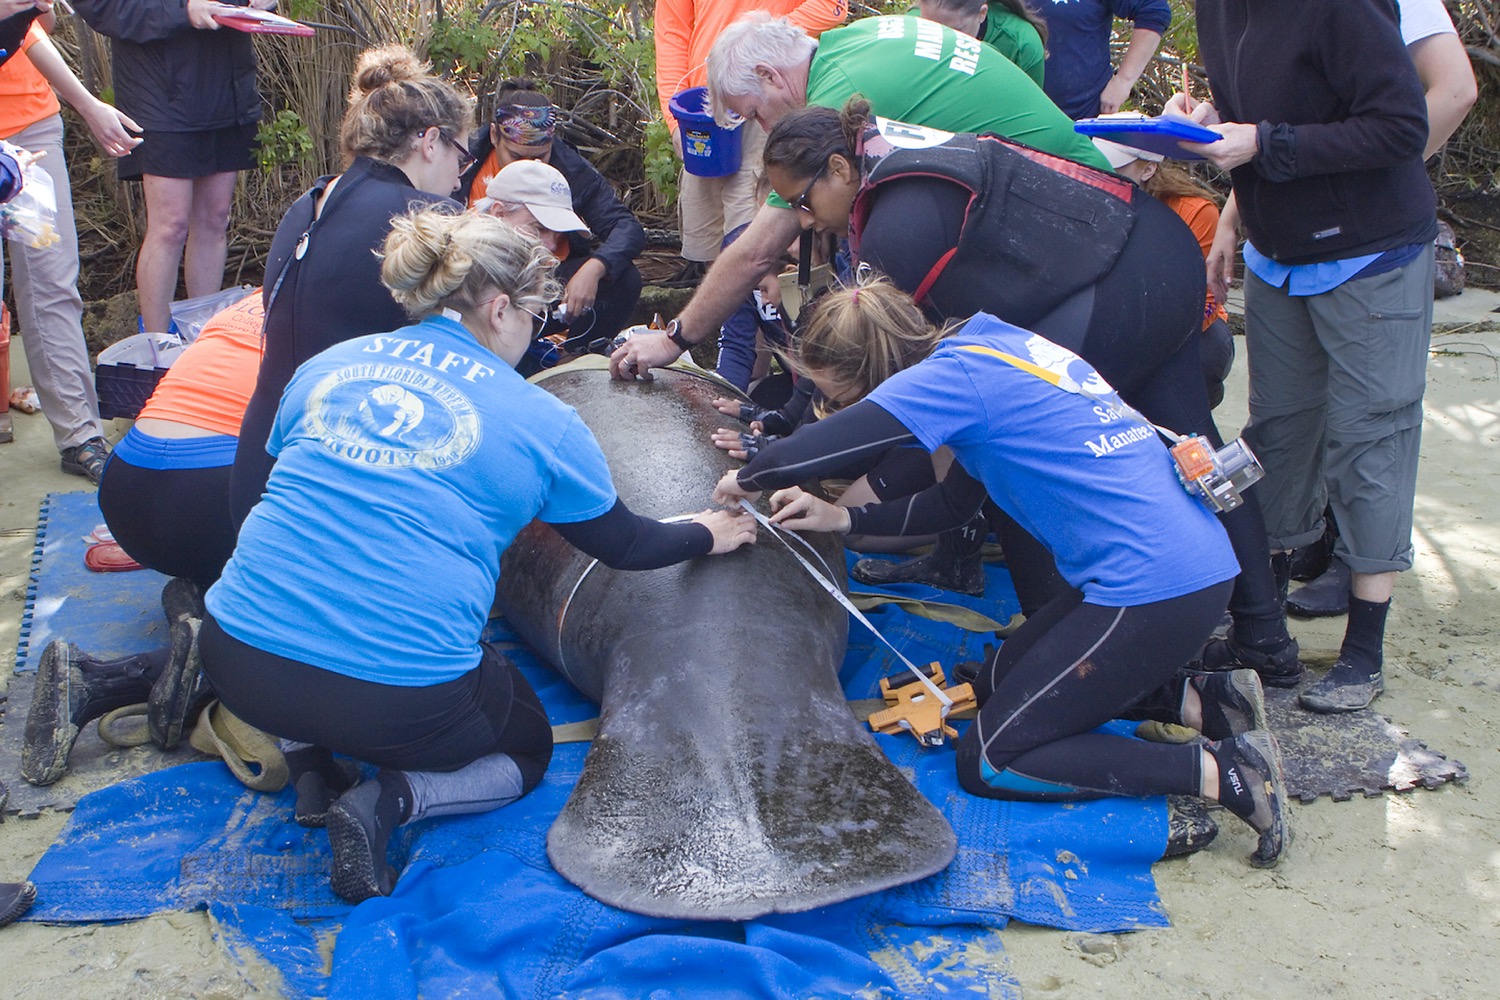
<point>1391,897</point>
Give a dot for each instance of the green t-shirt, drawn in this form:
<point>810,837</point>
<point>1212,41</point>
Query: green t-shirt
<point>1014,37</point>
<point>922,73</point>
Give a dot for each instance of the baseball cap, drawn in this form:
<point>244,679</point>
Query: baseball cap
<point>542,189</point>
<point>1120,155</point>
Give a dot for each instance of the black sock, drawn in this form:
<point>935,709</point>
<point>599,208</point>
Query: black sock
<point>315,760</point>
<point>395,803</point>
<point>1364,637</point>
<point>1264,635</point>
<point>1234,781</point>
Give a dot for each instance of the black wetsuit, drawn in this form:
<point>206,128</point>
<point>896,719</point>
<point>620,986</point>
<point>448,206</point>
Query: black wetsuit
<point>1137,325</point>
<point>331,294</point>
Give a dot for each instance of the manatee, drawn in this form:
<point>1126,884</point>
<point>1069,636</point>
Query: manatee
<point>728,779</point>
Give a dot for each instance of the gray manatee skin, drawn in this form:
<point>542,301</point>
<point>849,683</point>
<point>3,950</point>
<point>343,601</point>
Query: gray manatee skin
<point>728,779</point>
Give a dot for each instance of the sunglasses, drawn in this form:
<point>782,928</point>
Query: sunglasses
<point>464,156</point>
<point>800,204</point>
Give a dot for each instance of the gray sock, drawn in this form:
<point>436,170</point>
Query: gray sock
<point>488,783</point>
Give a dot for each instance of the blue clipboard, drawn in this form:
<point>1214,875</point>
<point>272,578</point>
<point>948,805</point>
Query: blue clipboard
<point>1156,135</point>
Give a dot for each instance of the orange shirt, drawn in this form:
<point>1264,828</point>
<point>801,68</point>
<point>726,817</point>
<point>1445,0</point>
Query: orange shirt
<point>209,386</point>
<point>25,97</point>
<point>1202,217</point>
<point>686,29</point>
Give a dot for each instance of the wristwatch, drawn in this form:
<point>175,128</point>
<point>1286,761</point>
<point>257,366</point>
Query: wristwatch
<point>674,334</point>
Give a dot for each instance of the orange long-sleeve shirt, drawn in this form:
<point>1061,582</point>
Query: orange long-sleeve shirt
<point>1202,217</point>
<point>686,29</point>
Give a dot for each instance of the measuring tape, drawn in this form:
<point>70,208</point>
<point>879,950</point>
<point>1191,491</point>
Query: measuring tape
<point>848,605</point>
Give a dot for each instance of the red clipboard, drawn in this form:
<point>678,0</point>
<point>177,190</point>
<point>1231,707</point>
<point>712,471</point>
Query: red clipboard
<point>262,22</point>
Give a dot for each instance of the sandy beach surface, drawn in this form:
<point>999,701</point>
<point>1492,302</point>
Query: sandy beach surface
<point>1396,896</point>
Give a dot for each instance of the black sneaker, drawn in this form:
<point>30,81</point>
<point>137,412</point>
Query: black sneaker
<point>955,563</point>
<point>1255,758</point>
<point>56,700</point>
<point>1281,669</point>
<point>15,899</point>
<point>1233,702</point>
<point>316,794</point>
<point>1345,688</point>
<point>181,692</point>
<point>360,868</point>
<point>86,459</point>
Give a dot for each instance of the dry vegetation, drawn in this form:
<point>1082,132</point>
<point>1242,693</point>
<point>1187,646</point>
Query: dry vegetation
<point>597,57</point>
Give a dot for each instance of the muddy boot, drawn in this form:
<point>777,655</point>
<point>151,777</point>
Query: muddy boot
<point>181,692</point>
<point>181,598</point>
<point>1325,597</point>
<point>360,825</point>
<point>319,778</point>
<point>72,689</point>
<point>1189,826</point>
<point>955,563</point>
<point>1231,701</point>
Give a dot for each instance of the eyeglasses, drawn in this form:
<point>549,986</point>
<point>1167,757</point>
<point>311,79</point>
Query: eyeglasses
<point>540,317</point>
<point>464,156</point>
<point>800,203</point>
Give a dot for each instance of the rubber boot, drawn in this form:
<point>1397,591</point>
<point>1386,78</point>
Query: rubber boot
<point>955,563</point>
<point>1325,597</point>
<point>182,691</point>
<point>72,689</point>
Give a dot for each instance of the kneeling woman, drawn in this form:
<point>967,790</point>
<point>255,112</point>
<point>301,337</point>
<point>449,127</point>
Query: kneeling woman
<point>1149,567</point>
<point>348,618</point>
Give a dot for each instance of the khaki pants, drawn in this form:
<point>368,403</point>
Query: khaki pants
<point>710,207</point>
<point>49,311</point>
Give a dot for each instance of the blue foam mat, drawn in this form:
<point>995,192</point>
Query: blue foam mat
<point>478,908</point>
<point>111,614</point>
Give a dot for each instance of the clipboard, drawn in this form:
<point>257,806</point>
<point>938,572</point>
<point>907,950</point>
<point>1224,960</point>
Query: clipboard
<point>1157,135</point>
<point>261,22</point>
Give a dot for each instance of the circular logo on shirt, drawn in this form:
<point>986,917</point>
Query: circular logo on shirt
<point>392,415</point>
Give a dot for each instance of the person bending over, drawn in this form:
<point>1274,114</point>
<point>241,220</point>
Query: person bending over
<point>348,619</point>
<point>1148,567</point>
<point>165,497</point>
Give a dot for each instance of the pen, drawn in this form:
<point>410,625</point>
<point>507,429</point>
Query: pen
<point>1187,89</point>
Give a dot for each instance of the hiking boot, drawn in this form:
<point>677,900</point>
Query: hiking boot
<point>72,689</point>
<point>1233,703</point>
<point>1279,669</point>
<point>181,598</point>
<point>358,838</point>
<point>1325,597</point>
<point>955,563</point>
<point>15,899</point>
<point>181,692</point>
<point>86,459</point>
<point>319,788</point>
<point>1345,688</point>
<point>1252,762</point>
<point>1189,826</point>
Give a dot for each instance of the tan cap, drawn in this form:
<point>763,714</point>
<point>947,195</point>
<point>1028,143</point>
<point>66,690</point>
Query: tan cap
<point>542,189</point>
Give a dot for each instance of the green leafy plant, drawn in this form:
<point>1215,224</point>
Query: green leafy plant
<point>283,140</point>
<point>661,161</point>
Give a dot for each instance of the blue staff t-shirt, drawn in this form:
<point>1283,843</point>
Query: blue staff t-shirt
<point>406,464</point>
<point>1093,484</point>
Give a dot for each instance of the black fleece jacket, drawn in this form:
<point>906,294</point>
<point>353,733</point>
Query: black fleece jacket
<point>170,76</point>
<point>1341,122</point>
<point>619,234</point>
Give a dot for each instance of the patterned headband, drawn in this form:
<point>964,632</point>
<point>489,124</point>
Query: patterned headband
<point>527,126</point>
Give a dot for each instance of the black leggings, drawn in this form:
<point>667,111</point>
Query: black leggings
<point>440,727</point>
<point>175,521</point>
<point>1070,668</point>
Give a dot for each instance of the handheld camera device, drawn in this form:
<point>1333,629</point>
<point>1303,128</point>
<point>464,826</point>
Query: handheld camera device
<point>1218,478</point>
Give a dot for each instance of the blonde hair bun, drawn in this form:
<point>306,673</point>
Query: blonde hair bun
<point>383,66</point>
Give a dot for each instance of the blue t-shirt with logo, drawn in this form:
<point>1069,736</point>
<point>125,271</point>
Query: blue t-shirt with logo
<point>1094,484</point>
<point>406,464</point>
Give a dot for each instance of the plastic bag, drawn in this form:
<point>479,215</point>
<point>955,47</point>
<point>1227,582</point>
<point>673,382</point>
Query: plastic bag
<point>31,216</point>
<point>190,314</point>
